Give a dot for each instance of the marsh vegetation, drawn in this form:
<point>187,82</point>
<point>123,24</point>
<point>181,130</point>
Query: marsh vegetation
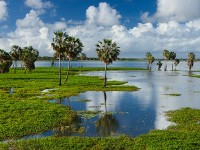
<point>31,92</point>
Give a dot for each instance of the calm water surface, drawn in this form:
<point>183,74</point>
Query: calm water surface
<point>135,113</point>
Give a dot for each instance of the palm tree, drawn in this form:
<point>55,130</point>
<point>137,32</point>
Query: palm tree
<point>107,52</point>
<point>166,54</point>
<point>150,60</point>
<point>59,47</point>
<point>159,64</point>
<point>176,62</point>
<point>148,55</point>
<point>73,47</point>
<point>15,53</point>
<point>191,57</point>
<point>172,57</point>
<point>5,61</point>
<point>29,56</point>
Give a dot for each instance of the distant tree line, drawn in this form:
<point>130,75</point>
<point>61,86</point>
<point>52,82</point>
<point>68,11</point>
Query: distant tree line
<point>169,56</point>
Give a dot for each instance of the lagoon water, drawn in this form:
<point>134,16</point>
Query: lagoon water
<point>134,113</point>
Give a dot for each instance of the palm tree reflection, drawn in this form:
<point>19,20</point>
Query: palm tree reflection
<point>107,124</point>
<point>69,129</point>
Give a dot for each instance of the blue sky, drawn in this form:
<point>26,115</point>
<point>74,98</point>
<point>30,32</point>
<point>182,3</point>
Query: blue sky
<point>138,26</point>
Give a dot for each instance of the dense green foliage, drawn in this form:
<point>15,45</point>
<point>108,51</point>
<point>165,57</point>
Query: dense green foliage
<point>5,61</point>
<point>184,135</point>
<point>29,56</point>
<point>19,118</point>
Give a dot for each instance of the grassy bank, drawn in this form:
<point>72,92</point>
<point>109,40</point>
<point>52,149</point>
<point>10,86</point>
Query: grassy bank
<point>30,86</point>
<point>184,135</point>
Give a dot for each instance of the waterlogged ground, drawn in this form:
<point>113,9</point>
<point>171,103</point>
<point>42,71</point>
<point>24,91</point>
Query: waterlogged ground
<point>133,113</point>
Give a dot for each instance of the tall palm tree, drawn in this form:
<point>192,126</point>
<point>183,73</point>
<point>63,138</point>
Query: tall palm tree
<point>166,54</point>
<point>73,47</point>
<point>150,60</point>
<point>172,57</point>
<point>15,53</point>
<point>191,57</point>
<point>29,56</point>
<point>59,47</point>
<point>176,62</point>
<point>148,55</point>
<point>5,61</point>
<point>107,51</point>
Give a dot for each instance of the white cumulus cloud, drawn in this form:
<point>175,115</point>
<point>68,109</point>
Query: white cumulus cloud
<point>103,15</point>
<point>3,10</point>
<point>32,31</point>
<point>179,10</point>
<point>134,42</point>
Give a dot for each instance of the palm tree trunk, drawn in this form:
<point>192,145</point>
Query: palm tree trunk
<point>15,66</point>
<point>105,77</point>
<point>59,69</point>
<point>165,69</point>
<point>105,98</point>
<point>150,67</point>
<point>67,71</point>
<point>172,66</point>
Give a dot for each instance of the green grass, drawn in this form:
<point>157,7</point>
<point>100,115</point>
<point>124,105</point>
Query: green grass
<point>19,118</point>
<point>29,86</point>
<point>184,135</point>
